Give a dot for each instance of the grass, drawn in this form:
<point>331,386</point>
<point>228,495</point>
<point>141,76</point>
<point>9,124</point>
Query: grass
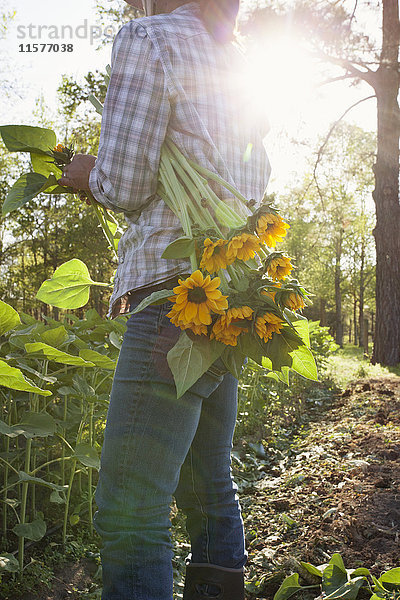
<point>349,363</point>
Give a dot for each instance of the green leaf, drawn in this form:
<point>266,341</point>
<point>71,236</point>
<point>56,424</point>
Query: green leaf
<point>13,378</point>
<point>182,247</point>
<point>55,337</point>
<point>289,587</point>
<point>249,346</point>
<point>32,531</point>
<point>24,138</point>
<point>304,363</point>
<point>9,563</point>
<point>317,571</point>
<point>74,519</point>
<point>278,349</point>
<point>359,571</point>
<point>159,297</point>
<point>9,318</point>
<point>348,591</point>
<point>69,287</point>
<point>190,358</point>
<point>302,329</point>
<point>56,498</point>
<point>39,481</point>
<point>334,575</point>
<point>87,455</point>
<point>100,360</point>
<point>28,186</point>
<point>57,355</point>
<point>32,425</point>
<point>44,165</point>
<point>391,579</point>
<point>233,361</point>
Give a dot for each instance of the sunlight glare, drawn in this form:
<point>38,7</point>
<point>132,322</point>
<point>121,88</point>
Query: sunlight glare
<point>282,75</point>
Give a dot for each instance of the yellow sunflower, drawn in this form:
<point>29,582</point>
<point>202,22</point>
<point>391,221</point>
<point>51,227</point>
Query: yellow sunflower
<point>271,229</point>
<point>279,267</point>
<point>243,247</point>
<point>267,324</point>
<point>194,299</point>
<point>214,255</point>
<point>294,301</point>
<point>224,329</point>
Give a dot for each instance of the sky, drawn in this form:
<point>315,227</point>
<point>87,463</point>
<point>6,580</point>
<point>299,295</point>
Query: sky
<point>282,76</point>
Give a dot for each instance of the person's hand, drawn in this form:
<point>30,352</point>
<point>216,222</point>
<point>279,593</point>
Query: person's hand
<point>76,174</point>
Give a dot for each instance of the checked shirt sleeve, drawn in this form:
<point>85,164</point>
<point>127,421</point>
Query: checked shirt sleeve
<point>134,124</point>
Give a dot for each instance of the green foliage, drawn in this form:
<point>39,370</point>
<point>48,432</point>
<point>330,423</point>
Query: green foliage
<point>69,287</point>
<point>339,583</point>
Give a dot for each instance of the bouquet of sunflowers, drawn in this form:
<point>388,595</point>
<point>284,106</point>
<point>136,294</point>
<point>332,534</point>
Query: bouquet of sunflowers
<point>239,300</point>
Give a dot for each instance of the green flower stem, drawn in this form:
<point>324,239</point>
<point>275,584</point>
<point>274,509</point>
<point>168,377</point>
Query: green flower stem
<point>233,275</point>
<point>25,485</point>
<point>103,222</point>
<point>200,216</point>
<point>66,510</point>
<point>191,167</point>
<point>90,471</point>
<point>8,465</point>
<point>174,191</point>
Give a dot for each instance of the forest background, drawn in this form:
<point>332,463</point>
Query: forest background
<point>322,146</point>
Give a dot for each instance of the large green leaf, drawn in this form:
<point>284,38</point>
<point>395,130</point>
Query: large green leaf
<point>302,329</point>
<point>100,360</point>
<point>32,531</point>
<point>347,591</point>
<point>9,317</point>
<point>289,587</point>
<point>233,360</point>
<point>44,165</point>
<point>28,186</point>
<point>334,575</point>
<point>87,455</point>
<point>159,297</point>
<point>182,247</point>
<point>69,287</point>
<point>32,425</point>
<point>248,345</point>
<point>57,355</point>
<point>12,378</point>
<point>55,337</point>
<point>304,363</point>
<point>391,579</point>
<point>39,481</point>
<point>190,358</point>
<point>24,138</point>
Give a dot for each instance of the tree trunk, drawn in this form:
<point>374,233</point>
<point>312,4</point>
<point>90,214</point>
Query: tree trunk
<point>338,291</point>
<point>361,291</point>
<point>386,194</point>
<point>355,320</point>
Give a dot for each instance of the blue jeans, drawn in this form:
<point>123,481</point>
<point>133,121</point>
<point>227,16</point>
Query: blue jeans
<point>156,446</point>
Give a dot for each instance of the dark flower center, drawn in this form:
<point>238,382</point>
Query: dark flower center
<point>197,295</point>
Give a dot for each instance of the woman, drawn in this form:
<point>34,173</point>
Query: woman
<point>173,74</point>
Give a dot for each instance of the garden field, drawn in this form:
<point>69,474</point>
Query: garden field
<point>317,467</point>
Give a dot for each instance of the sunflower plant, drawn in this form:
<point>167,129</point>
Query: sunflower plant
<point>240,299</point>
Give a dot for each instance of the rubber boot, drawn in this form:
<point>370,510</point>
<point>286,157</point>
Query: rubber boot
<point>204,582</point>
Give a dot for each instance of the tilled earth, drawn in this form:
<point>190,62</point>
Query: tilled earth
<point>337,489</point>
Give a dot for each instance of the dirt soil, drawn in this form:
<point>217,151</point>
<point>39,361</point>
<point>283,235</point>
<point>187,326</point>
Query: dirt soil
<point>334,488</point>
<point>338,491</point>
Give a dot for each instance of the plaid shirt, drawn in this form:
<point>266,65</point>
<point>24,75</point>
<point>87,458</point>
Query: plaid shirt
<point>170,78</point>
